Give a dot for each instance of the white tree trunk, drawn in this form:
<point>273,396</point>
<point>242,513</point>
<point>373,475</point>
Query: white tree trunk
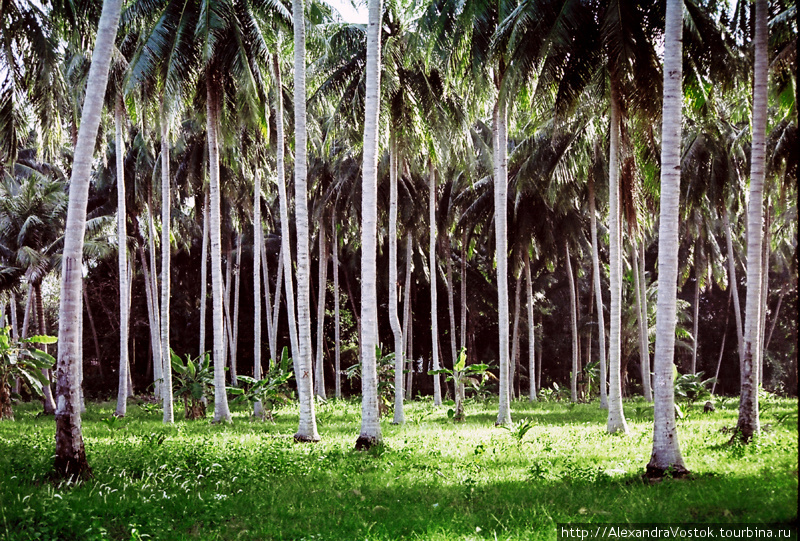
<point>47,392</point>
<point>748,424</point>
<point>70,459</point>
<point>645,336</point>
<point>166,208</point>
<point>573,318</point>
<point>394,318</point>
<point>501,254</point>
<point>733,282</point>
<point>221,410</point>
<point>463,330</point>
<point>407,323</point>
<point>644,353</point>
<point>512,368</point>
<point>598,293</point>
<point>616,416</point>
<point>152,320</point>
<point>437,385</point>
<point>337,366</point>
<point>258,242</point>
<point>204,278</point>
<point>696,311</point>
<point>156,343</point>
<point>235,326</point>
<point>319,375</point>
<point>122,262</point>
<point>370,422</point>
<point>666,450</point>
<point>531,332</point>
<point>764,294</point>
<point>262,250</point>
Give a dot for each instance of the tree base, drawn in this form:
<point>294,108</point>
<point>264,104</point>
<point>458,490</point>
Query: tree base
<point>72,469</point>
<point>655,473</point>
<point>365,443</point>
<point>302,438</point>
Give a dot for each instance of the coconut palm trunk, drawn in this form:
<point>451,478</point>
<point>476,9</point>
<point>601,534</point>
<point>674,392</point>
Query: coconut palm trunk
<point>764,294</point>
<point>645,334</point>
<point>262,251</point>
<point>221,410</point>
<point>696,309</point>
<point>70,458</point>
<point>337,365</point>
<point>151,245</point>
<point>47,393</point>
<point>748,423</point>
<point>462,342</point>
<point>573,317</point>
<point>407,323</point>
<point>733,282</point>
<point>499,141</point>
<point>258,232</point>
<point>598,293</point>
<point>122,263</point>
<point>531,331</point>
<point>394,317</point>
<point>370,433</point>
<point>514,364</point>
<point>666,450</point>
<point>166,208</point>
<point>644,353</point>
<point>307,430</point>
<point>237,281</point>
<point>437,385</point>
<point>155,338</point>
<point>204,278</point>
<point>319,374</point>
<point>616,417</point>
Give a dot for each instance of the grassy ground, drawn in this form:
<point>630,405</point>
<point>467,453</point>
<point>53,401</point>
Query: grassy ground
<point>431,480</point>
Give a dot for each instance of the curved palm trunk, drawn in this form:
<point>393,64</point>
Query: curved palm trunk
<point>267,297</point>
<point>616,416</point>
<point>154,329</point>
<point>169,416</point>
<point>573,317</point>
<point>531,331</point>
<point>733,283</point>
<point>286,250</point>
<point>370,422</point>
<point>258,408</point>
<point>666,450</point>
<point>122,265</point>
<point>394,317</point>
<point>70,459</point>
<point>204,278</point>
<point>644,353</point>
<point>337,366</point>
<point>748,423</point>
<point>319,374</point>
<point>598,292</point>
<point>307,431</point>
<point>221,411</point>
<point>437,385</point>
<point>156,344</point>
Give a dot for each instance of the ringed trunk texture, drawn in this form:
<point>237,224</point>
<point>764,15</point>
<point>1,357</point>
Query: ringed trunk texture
<point>169,416</point>
<point>319,375</point>
<point>370,433</point>
<point>666,454</point>
<point>70,459</point>
<point>394,317</point>
<point>258,407</point>
<point>122,264</point>
<point>204,278</point>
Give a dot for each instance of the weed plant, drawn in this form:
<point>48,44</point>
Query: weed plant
<point>430,479</point>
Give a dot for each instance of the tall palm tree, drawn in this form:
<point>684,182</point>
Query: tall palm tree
<point>70,458</point>
<point>370,433</point>
<point>748,423</point>
<point>666,454</point>
<point>122,260</point>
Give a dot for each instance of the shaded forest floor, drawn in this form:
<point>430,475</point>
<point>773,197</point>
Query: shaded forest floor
<point>430,480</point>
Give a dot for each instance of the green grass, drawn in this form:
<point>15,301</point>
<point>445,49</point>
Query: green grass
<point>430,480</point>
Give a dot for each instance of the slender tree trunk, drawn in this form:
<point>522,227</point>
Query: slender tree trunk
<point>501,253</point>
<point>226,302</point>
<point>722,347</point>
<point>748,424</point>
<point>122,263</point>
<point>92,327</point>
<point>394,317</point>
<point>26,318</point>
<point>514,365</point>
<point>573,326</point>
<point>286,249</point>
<point>616,416</point>
<point>450,293</point>
<point>370,422</point>
<point>13,310</point>
<point>70,458</point>
<point>307,430</point>
<point>539,364</point>
<point>151,236</point>
<point>462,343</point>
<point>644,350</point>
<point>437,385</point>
<point>166,208</point>
<point>319,380</point>
<point>337,366</point>
<point>732,281</point>
<point>645,336</point>
<point>49,402</point>
<point>258,242</point>
<point>775,317</point>
<point>531,331</point>
<point>262,250</point>
<point>155,338</point>
<point>666,450</point>
<point>237,272</point>
<point>221,411</point>
<point>276,305</point>
<point>764,294</point>
<point>407,323</point>
<point>204,278</point>
<point>696,312</point>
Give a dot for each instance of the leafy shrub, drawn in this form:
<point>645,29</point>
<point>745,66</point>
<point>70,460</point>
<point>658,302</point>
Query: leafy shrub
<point>18,359</point>
<point>193,382</point>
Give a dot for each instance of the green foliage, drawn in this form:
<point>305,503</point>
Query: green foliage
<point>385,366</point>
<point>474,376</point>
<point>192,382</point>
<point>272,390</point>
<point>692,387</point>
<point>518,430</point>
<point>19,359</point>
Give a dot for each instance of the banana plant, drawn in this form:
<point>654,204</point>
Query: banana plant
<point>19,359</point>
<point>193,382</point>
<point>461,375</point>
<point>271,390</point>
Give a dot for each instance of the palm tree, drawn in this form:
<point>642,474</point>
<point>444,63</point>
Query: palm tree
<point>122,261</point>
<point>370,433</point>
<point>666,454</point>
<point>748,424</point>
<point>70,458</point>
